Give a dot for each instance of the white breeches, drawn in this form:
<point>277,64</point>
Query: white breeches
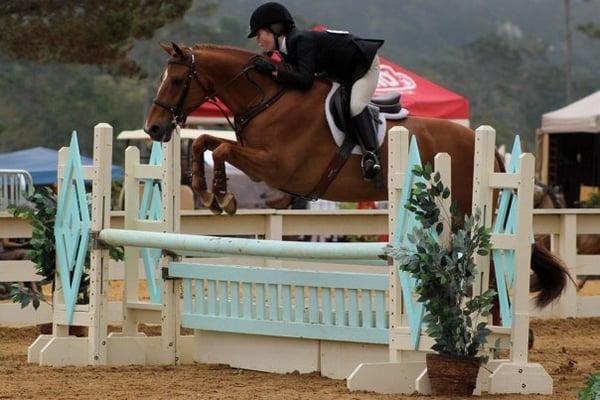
<point>364,88</point>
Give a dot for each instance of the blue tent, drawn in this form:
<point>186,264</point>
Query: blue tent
<point>41,163</point>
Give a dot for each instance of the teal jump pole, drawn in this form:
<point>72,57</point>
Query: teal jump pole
<point>176,242</point>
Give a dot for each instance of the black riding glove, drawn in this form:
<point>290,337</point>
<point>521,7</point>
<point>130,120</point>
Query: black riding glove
<point>264,67</point>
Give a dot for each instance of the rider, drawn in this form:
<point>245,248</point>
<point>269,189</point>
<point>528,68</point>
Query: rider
<point>350,60</point>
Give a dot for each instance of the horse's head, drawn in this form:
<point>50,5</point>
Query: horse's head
<point>545,196</point>
<point>180,92</point>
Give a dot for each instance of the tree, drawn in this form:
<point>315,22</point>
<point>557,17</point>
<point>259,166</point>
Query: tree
<point>591,29</point>
<point>509,83</point>
<point>94,32</point>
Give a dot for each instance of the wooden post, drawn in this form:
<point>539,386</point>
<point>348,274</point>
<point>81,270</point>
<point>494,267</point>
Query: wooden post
<point>131,254</point>
<point>99,258</point>
<point>483,166</point>
<point>397,159</point>
<point>567,246</point>
<point>518,375</point>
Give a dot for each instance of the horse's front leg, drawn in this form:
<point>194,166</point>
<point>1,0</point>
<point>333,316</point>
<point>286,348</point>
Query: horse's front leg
<point>200,145</point>
<point>253,162</point>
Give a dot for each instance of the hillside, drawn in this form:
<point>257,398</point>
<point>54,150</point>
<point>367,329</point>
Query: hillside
<point>505,56</point>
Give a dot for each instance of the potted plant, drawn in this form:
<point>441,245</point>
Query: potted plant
<point>591,390</point>
<point>445,273</point>
<point>40,213</point>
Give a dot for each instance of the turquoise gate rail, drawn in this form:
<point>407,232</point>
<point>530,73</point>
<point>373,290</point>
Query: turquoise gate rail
<point>307,304</point>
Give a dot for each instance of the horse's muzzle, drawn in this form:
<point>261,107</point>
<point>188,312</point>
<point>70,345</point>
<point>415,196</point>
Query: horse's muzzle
<point>160,133</point>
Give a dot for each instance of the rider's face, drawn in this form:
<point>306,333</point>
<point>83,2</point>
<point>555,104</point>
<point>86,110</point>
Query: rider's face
<point>265,39</point>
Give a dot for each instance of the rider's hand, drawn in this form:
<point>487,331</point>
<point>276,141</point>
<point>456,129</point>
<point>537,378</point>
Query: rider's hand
<point>264,67</point>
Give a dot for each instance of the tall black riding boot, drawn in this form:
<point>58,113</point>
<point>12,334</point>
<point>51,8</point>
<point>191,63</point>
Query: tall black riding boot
<point>365,127</point>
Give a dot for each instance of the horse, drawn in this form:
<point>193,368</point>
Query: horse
<point>548,197</point>
<point>283,139</point>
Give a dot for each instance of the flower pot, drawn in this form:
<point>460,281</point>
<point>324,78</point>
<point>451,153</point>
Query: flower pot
<point>451,375</point>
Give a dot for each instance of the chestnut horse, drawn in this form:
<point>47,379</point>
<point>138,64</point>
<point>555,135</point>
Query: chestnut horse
<point>545,196</point>
<point>283,139</point>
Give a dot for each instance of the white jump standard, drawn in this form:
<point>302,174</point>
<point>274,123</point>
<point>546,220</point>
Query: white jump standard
<point>361,326</point>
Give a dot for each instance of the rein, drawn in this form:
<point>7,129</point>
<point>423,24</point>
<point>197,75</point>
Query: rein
<point>239,122</point>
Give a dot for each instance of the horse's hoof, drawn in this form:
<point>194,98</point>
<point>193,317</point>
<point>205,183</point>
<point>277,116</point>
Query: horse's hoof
<point>209,200</point>
<point>214,207</point>
<point>206,198</point>
<point>228,203</point>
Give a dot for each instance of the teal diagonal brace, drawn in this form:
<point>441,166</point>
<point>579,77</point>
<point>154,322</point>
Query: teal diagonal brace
<point>151,257</point>
<point>406,223</point>
<point>151,210</point>
<point>72,228</point>
<point>504,259</point>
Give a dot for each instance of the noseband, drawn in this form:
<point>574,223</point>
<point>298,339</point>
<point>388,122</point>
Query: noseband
<point>176,111</point>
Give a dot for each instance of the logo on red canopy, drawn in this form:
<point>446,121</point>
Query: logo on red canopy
<point>392,80</point>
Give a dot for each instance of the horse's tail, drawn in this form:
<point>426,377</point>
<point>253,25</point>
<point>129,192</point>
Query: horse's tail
<point>550,272</point>
<point>550,276</point>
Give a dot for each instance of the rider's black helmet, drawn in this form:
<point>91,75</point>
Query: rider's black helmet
<point>267,14</point>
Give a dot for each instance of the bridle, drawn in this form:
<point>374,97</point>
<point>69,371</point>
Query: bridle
<point>176,111</point>
<point>178,117</point>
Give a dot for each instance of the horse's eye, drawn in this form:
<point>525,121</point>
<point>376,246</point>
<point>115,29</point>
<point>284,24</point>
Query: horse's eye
<point>176,81</point>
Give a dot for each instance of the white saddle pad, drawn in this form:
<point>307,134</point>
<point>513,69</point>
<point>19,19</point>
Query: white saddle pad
<point>339,136</point>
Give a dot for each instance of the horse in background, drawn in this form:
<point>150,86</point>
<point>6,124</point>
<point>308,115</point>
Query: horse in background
<point>551,197</point>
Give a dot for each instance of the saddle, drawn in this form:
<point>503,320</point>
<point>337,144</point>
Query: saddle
<point>340,107</point>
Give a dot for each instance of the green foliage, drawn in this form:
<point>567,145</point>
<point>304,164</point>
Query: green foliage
<point>519,80</point>
<point>590,29</point>
<point>445,273</point>
<point>41,216</point>
<point>593,201</point>
<point>97,32</point>
<point>591,391</point>
<point>43,104</point>
<point>509,83</point>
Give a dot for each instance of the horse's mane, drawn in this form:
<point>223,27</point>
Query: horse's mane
<point>204,46</point>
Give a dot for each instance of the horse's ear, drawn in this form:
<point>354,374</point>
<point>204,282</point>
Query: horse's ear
<point>168,49</point>
<point>178,50</point>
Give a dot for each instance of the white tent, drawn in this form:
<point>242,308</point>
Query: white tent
<point>581,116</point>
<point>568,148</point>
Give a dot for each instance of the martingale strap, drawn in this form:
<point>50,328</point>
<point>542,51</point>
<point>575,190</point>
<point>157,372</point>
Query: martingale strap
<point>335,165</point>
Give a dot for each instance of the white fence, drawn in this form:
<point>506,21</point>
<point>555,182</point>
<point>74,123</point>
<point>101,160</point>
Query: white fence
<point>563,226</point>
<point>15,186</point>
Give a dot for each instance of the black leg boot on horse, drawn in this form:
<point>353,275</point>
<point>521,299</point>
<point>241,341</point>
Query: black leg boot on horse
<point>365,130</point>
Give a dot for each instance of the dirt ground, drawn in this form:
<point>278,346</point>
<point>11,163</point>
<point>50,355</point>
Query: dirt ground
<point>568,349</point>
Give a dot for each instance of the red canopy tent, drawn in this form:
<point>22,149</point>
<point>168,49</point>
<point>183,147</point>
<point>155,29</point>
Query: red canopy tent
<point>420,96</point>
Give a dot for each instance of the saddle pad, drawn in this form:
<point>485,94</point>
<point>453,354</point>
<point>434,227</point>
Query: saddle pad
<point>339,136</point>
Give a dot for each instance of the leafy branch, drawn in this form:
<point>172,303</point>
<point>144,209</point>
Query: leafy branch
<point>591,391</point>
<point>41,214</point>
<point>445,274</point>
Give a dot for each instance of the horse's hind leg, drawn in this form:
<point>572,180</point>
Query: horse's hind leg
<point>200,145</point>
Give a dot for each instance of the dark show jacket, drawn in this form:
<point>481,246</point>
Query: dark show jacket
<point>340,55</point>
